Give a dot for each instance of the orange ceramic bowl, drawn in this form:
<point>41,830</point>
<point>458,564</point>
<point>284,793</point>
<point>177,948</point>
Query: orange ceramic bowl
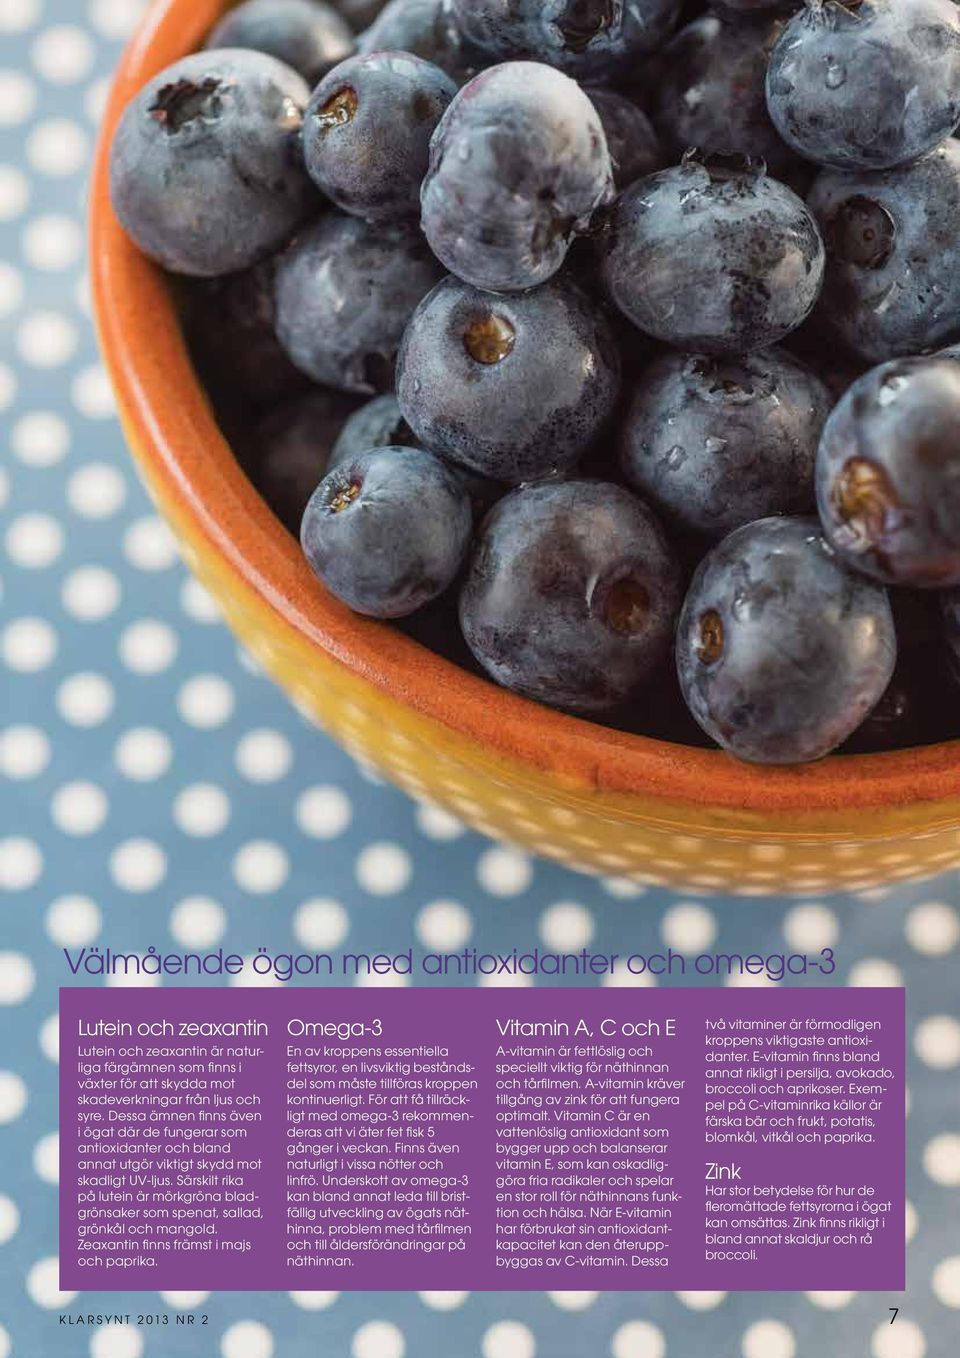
<point>595,799</point>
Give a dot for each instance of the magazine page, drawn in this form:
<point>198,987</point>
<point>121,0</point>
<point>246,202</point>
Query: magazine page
<point>479,654</point>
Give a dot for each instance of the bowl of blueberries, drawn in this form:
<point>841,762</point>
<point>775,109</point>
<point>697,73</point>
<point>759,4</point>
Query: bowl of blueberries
<point>561,398</point>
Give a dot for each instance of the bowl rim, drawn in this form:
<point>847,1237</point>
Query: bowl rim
<point>189,461</point>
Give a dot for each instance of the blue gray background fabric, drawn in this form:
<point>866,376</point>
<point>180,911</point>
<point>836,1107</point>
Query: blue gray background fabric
<point>157,790</point>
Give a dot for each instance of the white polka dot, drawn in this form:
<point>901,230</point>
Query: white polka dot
<point>700,1301</point>
<point>313,1301</point>
<point>937,1042</point>
<point>17,16</point>
<point>903,1339</point>
<point>443,1301</point>
<point>933,928</point>
<point>63,54</point>
<point>206,701</point>
<point>688,927</point>
<point>438,824</point>
<point>620,976</point>
<point>323,812</point>
<point>808,928</point>
<point>261,867</point>
<point>911,1222</point>
<point>830,1301</point>
<point>14,193</point>
<point>8,388</point>
<point>79,808</point>
<point>28,645</point>
<point>874,973</point>
<point>116,1342</point>
<point>148,646</point>
<point>96,491</point>
<point>941,1159</point>
<point>52,243</point>
<point>46,339</point>
<point>21,863</point>
<point>13,1096</point>
<point>138,865</point>
<point>768,1339</point>
<point>11,289</point>
<point>132,978</point>
<point>96,99</point>
<point>322,924</point>
<point>149,545</point>
<point>378,1339</point>
<point>143,754</point>
<point>58,147</point>
<point>201,810</point>
<point>247,1339</point>
<point>384,869</point>
<point>638,1339</point>
<point>17,977</point>
<point>198,922</point>
<point>34,541</point>
<point>9,1218</point>
<point>6,1344</point>
<point>18,95</point>
<point>40,439</point>
<point>24,752</point>
<point>73,921</point>
<point>116,19</point>
<point>43,1285</point>
<point>444,926</point>
<point>92,394</point>
<point>4,486</point>
<point>622,888</point>
<point>504,872</point>
<point>518,980</point>
<point>197,602</point>
<point>946,1282</point>
<point>566,927</point>
<point>184,1301</point>
<point>85,699</point>
<point>49,1037</point>
<point>90,593</point>
<point>573,1301</point>
<point>264,756</point>
<point>46,1158</point>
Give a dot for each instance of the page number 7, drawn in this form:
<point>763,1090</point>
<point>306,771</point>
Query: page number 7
<point>895,1310</point>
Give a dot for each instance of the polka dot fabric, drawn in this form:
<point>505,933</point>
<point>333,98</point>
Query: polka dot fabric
<point>156,790</point>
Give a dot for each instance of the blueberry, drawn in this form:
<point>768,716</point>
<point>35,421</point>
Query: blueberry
<point>514,388</point>
<point>893,256</point>
<point>306,34</point>
<point>710,90</point>
<point>781,651</point>
<point>888,473</point>
<point>292,451</point>
<point>366,135</point>
<point>387,531</point>
<point>205,169</point>
<point>589,39</point>
<point>360,13</point>
<point>377,424</point>
<point>230,324</point>
<point>713,255</point>
<point>518,166</point>
<point>868,85</point>
<point>918,708</point>
<point>632,142</point>
<point>715,443</point>
<point>345,291</point>
<point>424,28</point>
<point>571,595</point>
<point>950,605</point>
